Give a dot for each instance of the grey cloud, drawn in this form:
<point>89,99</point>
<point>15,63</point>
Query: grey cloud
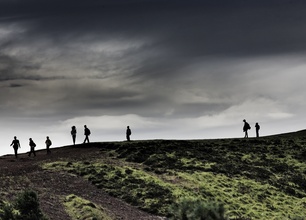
<point>175,35</point>
<point>15,85</point>
<point>191,29</point>
<point>12,68</point>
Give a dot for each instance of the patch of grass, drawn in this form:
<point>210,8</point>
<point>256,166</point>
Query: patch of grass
<point>79,208</point>
<point>261,178</point>
<point>134,186</point>
<point>243,197</point>
<point>190,209</point>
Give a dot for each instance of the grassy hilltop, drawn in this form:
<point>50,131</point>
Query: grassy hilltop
<point>263,178</point>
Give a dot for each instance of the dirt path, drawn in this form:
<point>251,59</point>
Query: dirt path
<point>52,187</point>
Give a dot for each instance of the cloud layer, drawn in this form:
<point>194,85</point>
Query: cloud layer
<point>175,69</point>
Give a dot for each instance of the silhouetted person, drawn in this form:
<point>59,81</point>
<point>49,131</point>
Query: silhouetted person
<point>86,133</point>
<point>16,145</point>
<point>32,147</point>
<point>246,127</point>
<point>48,144</point>
<point>257,129</point>
<point>128,133</point>
<point>73,134</point>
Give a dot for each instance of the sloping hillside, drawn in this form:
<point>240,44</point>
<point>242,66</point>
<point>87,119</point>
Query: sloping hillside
<point>262,178</point>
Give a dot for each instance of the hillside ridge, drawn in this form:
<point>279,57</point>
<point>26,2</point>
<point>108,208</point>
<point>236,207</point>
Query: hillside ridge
<point>255,178</point>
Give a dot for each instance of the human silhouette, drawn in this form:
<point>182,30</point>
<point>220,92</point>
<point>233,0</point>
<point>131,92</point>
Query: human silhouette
<point>16,145</point>
<point>32,147</point>
<point>86,133</point>
<point>246,127</point>
<point>73,134</point>
<point>48,144</point>
<point>128,133</point>
<point>257,126</point>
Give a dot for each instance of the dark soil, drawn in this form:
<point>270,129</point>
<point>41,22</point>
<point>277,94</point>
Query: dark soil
<point>278,161</point>
<point>26,173</point>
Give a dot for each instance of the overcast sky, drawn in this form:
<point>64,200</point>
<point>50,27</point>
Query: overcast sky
<point>169,69</point>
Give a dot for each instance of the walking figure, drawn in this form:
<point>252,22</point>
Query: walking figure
<point>246,127</point>
<point>128,133</point>
<point>86,133</point>
<point>73,134</point>
<point>16,145</point>
<point>48,144</point>
<point>257,129</point>
<point>32,147</point>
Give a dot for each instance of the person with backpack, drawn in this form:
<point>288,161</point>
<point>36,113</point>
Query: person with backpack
<point>16,145</point>
<point>257,126</point>
<point>32,148</point>
<point>86,133</point>
<point>246,127</point>
<point>48,144</point>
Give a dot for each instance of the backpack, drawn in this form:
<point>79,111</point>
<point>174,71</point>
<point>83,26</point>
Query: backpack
<point>248,126</point>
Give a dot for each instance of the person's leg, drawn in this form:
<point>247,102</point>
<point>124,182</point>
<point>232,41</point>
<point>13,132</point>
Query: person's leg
<point>15,150</point>
<point>86,139</point>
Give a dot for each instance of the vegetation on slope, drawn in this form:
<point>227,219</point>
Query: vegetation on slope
<point>26,207</point>
<point>254,178</point>
<point>79,208</point>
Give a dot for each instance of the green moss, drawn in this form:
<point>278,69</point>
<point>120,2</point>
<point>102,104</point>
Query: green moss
<point>243,197</point>
<point>134,186</point>
<point>79,208</point>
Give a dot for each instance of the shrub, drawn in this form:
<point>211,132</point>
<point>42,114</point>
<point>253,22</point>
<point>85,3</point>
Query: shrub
<point>26,207</point>
<point>190,209</point>
<point>6,211</point>
<point>27,204</point>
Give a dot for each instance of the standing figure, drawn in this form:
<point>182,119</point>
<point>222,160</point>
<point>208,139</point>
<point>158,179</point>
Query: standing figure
<point>16,145</point>
<point>48,144</point>
<point>32,147</point>
<point>73,134</point>
<point>86,133</point>
<point>128,133</point>
<point>257,129</point>
<point>246,127</point>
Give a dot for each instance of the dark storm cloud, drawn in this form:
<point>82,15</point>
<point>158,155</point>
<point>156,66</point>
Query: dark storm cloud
<point>193,28</point>
<point>14,85</point>
<point>12,68</point>
<point>62,40</point>
<point>163,66</point>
